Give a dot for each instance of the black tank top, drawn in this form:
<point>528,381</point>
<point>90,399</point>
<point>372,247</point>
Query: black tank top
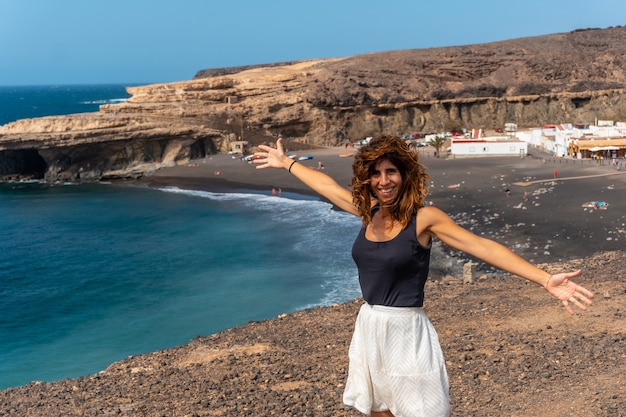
<point>392,273</point>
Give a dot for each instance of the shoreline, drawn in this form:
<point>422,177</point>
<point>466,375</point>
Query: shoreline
<point>540,217</point>
<point>228,173</point>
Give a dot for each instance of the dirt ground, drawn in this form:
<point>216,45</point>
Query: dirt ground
<point>510,349</point>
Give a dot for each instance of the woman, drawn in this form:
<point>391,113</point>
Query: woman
<point>396,362</point>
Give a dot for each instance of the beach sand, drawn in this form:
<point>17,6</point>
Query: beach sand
<point>228,173</point>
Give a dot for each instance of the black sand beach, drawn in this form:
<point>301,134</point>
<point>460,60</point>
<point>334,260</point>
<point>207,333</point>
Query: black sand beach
<point>544,220</point>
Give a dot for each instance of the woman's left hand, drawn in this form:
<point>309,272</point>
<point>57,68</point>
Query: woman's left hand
<point>561,287</point>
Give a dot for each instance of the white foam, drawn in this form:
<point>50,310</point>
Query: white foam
<point>321,231</point>
<point>105,101</point>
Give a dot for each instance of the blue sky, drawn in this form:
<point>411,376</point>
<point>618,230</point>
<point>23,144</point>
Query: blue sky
<point>149,41</point>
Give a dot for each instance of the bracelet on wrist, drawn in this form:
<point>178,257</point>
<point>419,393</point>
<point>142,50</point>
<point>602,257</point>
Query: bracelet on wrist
<point>289,170</point>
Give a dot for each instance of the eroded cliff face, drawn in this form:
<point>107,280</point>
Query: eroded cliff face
<point>570,77</point>
<point>102,145</point>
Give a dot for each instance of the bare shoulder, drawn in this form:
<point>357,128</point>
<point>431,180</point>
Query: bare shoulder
<point>431,214</point>
<point>432,220</point>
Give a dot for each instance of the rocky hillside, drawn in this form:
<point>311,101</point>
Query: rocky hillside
<point>510,350</point>
<point>566,77</point>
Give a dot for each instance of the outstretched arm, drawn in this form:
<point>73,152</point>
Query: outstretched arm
<point>314,179</point>
<point>439,224</point>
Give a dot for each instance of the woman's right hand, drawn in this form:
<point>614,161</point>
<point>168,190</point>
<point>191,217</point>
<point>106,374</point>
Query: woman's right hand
<point>316,180</point>
<point>270,157</point>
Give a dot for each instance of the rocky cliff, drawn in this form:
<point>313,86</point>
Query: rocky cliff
<point>568,77</point>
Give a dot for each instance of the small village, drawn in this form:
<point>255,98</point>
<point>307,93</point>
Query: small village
<point>603,140</point>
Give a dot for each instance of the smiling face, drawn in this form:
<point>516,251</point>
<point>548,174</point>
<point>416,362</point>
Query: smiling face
<point>400,192</point>
<point>385,181</point>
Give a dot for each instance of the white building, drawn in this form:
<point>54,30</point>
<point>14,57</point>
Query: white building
<point>490,146</point>
<point>576,140</point>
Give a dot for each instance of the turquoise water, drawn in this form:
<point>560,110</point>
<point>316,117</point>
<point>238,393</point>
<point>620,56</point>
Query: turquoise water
<point>90,274</point>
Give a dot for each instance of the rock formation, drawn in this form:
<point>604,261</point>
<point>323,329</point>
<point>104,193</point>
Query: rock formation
<point>568,77</point>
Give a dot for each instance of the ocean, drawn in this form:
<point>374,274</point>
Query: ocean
<point>93,273</point>
<point>25,102</point>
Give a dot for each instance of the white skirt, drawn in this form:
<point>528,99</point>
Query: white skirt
<point>396,364</point>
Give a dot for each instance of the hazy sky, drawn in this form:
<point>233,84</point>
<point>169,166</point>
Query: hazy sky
<point>149,41</point>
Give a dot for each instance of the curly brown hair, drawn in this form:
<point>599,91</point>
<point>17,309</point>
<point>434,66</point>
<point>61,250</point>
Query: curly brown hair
<point>414,178</point>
